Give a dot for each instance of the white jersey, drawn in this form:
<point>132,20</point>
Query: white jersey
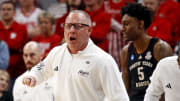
<point>165,79</point>
<point>43,92</point>
<point>30,21</point>
<point>89,75</point>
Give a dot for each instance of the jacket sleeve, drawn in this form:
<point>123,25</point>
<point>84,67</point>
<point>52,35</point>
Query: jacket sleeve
<point>16,90</point>
<point>4,55</point>
<point>44,70</point>
<point>112,83</point>
<point>155,89</point>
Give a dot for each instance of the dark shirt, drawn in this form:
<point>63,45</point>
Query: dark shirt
<point>141,67</point>
<point>7,96</point>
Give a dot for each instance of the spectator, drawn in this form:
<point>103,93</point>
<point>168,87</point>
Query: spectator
<point>72,5</point>
<point>28,14</point>
<point>170,10</point>
<point>140,56</point>
<point>116,42</point>
<point>99,77</point>
<point>101,23</point>
<point>15,35</point>
<point>160,28</point>
<point>32,55</point>
<point>4,55</point>
<point>165,79</point>
<point>4,83</point>
<point>58,9</point>
<point>114,7</point>
<point>47,39</point>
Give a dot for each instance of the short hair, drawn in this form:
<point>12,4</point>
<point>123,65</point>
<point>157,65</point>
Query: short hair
<point>138,11</point>
<point>33,43</point>
<point>84,13</point>
<point>4,73</point>
<point>46,15</point>
<point>8,2</point>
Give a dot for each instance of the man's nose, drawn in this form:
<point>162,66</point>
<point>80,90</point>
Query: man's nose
<point>28,58</point>
<point>72,28</point>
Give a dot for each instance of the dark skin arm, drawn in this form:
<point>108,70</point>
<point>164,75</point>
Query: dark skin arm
<point>125,72</point>
<point>161,50</point>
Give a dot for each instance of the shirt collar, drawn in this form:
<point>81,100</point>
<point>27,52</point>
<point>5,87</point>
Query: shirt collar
<point>90,42</point>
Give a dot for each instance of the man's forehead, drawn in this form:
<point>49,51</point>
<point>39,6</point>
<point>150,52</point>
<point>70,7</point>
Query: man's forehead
<point>75,18</point>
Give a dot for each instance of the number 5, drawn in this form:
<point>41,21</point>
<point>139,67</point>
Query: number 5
<point>140,73</point>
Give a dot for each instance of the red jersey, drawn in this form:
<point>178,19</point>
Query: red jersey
<point>115,8</point>
<point>16,37</point>
<point>101,23</point>
<point>171,11</point>
<point>47,43</point>
<point>162,29</point>
<point>59,25</point>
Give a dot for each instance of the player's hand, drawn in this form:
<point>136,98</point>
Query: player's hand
<point>29,81</point>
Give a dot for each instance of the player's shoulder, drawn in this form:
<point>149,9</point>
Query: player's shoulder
<point>160,43</point>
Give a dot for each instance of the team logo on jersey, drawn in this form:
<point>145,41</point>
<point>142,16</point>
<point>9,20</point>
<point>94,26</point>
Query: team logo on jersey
<point>140,57</point>
<point>83,73</point>
<point>162,15</point>
<point>13,35</point>
<point>154,28</point>
<point>132,57</point>
<point>148,55</point>
<point>93,24</point>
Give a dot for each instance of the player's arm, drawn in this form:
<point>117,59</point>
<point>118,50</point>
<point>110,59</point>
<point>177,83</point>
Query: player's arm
<point>124,68</point>
<point>162,49</point>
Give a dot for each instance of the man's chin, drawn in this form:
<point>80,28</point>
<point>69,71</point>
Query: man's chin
<point>28,67</point>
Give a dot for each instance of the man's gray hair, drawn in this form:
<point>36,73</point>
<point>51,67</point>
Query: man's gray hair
<point>85,14</point>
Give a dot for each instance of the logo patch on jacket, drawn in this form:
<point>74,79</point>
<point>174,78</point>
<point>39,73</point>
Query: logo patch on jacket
<point>56,69</point>
<point>83,73</point>
<point>168,86</point>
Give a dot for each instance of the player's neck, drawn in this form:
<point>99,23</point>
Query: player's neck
<point>7,23</point>
<point>141,44</point>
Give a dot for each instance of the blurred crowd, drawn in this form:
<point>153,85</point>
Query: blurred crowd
<point>42,21</point>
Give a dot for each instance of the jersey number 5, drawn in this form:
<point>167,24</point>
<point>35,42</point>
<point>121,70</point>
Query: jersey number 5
<point>140,73</point>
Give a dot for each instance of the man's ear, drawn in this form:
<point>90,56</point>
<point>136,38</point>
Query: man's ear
<point>141,24</point>
<point>90,30</point>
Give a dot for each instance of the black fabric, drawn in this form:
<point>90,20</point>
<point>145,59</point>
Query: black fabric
<point>141,67</point>
<point>7,96</point>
